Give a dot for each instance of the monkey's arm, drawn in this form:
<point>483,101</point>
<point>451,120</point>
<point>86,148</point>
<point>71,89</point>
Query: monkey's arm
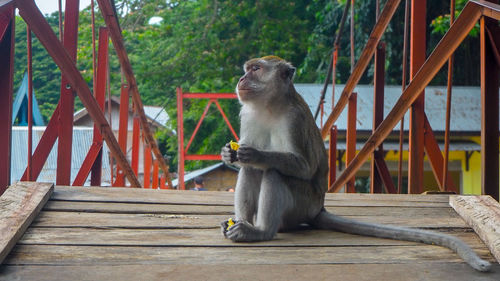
<point>287,163</point>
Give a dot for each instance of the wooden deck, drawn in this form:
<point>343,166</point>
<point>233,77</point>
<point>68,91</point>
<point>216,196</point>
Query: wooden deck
<point>137,234</point>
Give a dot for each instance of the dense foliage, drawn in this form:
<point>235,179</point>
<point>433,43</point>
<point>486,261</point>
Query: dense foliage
<point>200,45</point>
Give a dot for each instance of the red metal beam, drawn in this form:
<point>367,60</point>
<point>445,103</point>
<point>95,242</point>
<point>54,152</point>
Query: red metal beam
<point>67,100</point>
<point>202,157</point>
<point>45,34</point>
<point>88,163</point>
<point>197,126</point>
<point>385,175</point>
<point>489,113</point>
<point>107,11</point>
<point>436,158</point>
<point>122,131</point>
<point>334,75</point>
<point>448,107</point>
<point>363,61</point>
<point>155,174</point>
<point>351,137</point>
<point>332,155</point>
<point>378,116</point>
<point>100,97</point>
<point>30,99</point>
<point>448,44</point>
<point>135,144</point>
<point>180,139</point>
<point>44,146</point>
<point>147,166</point>
<point>209,95</point>
<point>93,160</point>
<point>162,182</point>
<point>7,25</point>
<point>417,59</point>
<point>227,121</point>
<point>6,6</point>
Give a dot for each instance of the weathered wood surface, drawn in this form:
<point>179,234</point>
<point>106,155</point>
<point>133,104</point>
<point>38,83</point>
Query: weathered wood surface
<point>346,272</point>
<point>226,198</point>
<point>19,205</point>
<point>134,234</point>
<point>482,213</point>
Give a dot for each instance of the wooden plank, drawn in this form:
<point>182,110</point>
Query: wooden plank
<point>127,208</point>
<point>219,197</point>
<point>19,205</point>
<point>74,219</point>
<point>211,237</point>
<point>349,272</point>
<point>482,213</point>
<point>116,255</point>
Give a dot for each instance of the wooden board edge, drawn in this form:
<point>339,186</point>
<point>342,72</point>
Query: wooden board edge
<point>29,198</point>
<point>482,213</point>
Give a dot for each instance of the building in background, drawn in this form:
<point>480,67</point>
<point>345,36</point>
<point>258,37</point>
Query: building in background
<point>465,130</point>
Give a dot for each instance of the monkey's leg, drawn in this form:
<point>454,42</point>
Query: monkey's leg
<point>246,194</point>
<point>274,199</point>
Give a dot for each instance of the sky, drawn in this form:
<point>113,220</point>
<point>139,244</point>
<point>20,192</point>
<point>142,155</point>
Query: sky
<point>50,6</point>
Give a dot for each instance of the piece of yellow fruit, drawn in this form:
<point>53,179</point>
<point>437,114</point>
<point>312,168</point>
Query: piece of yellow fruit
<point>234,145</point>
<point>230,223</point>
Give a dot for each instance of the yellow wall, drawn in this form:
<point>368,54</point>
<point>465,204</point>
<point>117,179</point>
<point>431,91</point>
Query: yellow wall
<point>472,178</point>
<point>468,182</point>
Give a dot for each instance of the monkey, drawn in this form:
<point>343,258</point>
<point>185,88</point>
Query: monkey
<point>283,164</point>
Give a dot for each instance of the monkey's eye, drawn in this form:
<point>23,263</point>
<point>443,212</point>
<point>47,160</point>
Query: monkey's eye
<point>255,67</point>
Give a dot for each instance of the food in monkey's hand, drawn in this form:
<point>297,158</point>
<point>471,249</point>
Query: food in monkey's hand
<point>233,148</point>
<point>234,145</point>
<point>228,224</point>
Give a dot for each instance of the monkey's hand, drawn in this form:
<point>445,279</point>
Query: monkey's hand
<point>250,156</point>
<point>227,154</point>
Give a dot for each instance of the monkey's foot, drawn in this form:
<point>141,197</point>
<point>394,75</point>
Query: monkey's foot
<point>243,231</point>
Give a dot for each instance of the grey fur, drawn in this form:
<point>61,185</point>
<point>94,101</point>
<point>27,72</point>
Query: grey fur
<point>282,181</point>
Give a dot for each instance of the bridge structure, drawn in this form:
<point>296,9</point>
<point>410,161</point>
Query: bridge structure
<point>60,127</point>
<point>116,233</point>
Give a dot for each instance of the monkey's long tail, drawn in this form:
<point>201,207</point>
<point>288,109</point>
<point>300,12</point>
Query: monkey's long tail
<point>326,220</point>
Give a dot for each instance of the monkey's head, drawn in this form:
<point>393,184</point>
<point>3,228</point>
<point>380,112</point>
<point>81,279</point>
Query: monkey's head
<point>264,79</point>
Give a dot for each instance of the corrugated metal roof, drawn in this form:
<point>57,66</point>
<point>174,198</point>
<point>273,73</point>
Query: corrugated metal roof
<point>465,107</point>
<point>82,140</point>
<point>157,114</point>
<point>391,145</point>
<point>191,175</point>
<point>154,113</point>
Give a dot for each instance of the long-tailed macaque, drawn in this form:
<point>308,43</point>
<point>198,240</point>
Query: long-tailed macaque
<point>283,177</point>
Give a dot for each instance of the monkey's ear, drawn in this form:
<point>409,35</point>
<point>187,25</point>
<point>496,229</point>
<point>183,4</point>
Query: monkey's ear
<point>288,72</point>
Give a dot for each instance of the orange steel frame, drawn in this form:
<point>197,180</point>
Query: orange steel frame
<point>183,150</point>
<point>60,125</point>
<point>422,72</point>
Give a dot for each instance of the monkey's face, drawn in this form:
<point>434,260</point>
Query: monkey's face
<point>255,80</point>
<point>263,78</point>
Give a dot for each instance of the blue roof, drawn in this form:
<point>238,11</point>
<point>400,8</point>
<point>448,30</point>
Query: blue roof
<point>20,106</point>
